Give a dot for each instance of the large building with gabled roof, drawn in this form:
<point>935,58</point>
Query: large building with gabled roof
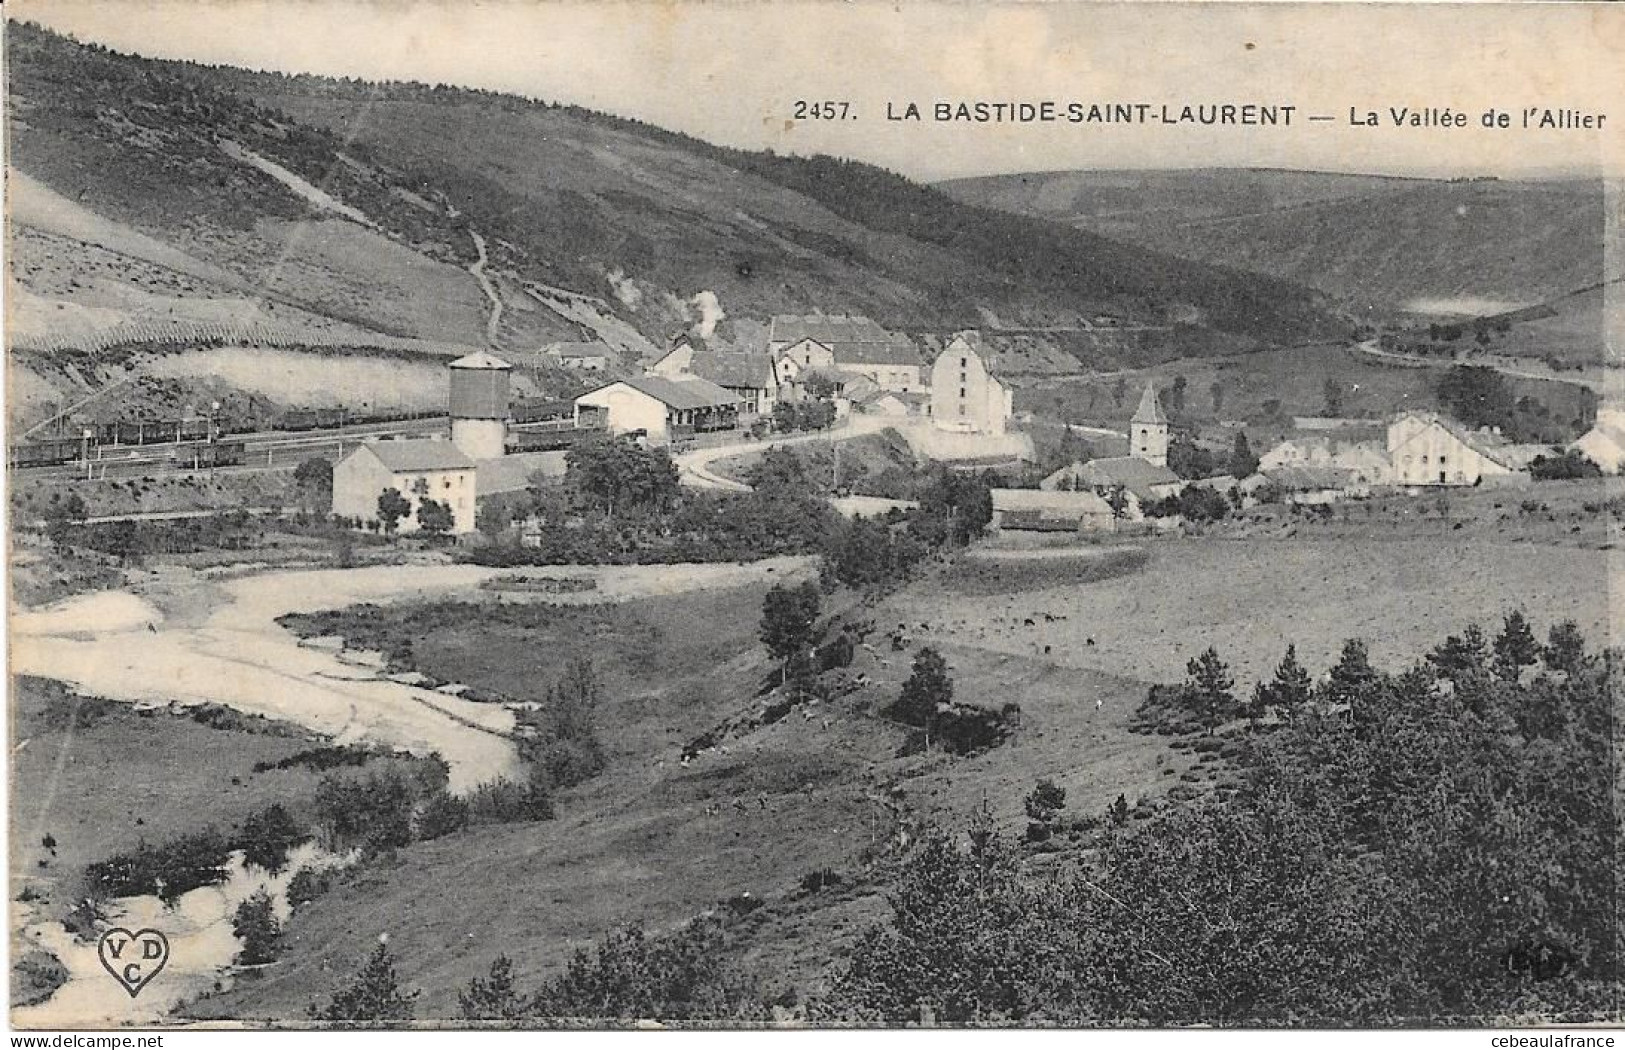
<point>418,470</point>
<point>661,408</point>
<point>855,345</point>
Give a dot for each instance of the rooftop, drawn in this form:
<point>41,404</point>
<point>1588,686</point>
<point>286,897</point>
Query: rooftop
<point>419,454</point>
<point>1150,411</point>
<point>481,359</point>
<point>733,368</point>
<point>1059,501</point>
<point>687,393</point>
<point>1129,471</point>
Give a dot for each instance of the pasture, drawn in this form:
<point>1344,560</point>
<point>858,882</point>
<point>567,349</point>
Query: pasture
<point>1250,598</point>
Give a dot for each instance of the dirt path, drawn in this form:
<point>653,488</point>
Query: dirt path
<point>1501,365</point>
<point>477,268</point>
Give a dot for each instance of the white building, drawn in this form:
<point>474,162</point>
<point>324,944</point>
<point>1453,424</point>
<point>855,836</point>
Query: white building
<point>1424,448</point>
<point>1366,462</point>
<point>1604,444</point>
<point>662,409</point>
<point>965,396</point>
<point>419,470</point>
<point>855,345</point>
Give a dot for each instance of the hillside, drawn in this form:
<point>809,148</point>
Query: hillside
<point>380,207</point>
<point>1390,244</point>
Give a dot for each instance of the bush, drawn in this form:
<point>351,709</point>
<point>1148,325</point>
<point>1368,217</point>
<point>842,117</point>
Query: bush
<point>508,801</point>
<point>1569,466</point>
<point>820,878</point>
<point>309,883</point>
<point>167,871</point>
<point>372,811</point>
<point>628,976</point>
<point>442,814</point>
<point>268,835</point>
<point>372,999</point>
<point>321,759</point>
<point>255,924</point>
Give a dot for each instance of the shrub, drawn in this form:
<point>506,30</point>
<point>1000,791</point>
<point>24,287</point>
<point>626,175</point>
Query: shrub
<point>373,811</point>
<point>372,999</point>
<point>442,814</point>
<point>255,924</point>
<point>507,801</point>
<point>682,976</point>
<point>493,998</point>
<point>309,883</point>
<point>168,871</point>
<point>268,835</point>
<point>820,878</point>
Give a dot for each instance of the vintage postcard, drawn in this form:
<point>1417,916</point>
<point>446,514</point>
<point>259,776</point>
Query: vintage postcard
<point>813,515</point>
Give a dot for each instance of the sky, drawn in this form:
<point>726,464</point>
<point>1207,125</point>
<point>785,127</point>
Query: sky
<point>732,72</point>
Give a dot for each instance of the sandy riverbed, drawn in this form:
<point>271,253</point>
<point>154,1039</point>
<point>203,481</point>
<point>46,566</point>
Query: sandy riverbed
<point>226,647</point>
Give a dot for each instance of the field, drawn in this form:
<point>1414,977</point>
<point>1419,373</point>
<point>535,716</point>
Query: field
<point>1293,379</point>
<point>97,778</point>
<point>1250,598</point>
<point>654,841</point>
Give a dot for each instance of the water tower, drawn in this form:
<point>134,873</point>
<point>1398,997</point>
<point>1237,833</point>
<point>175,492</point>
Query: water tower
<point>479,405</point>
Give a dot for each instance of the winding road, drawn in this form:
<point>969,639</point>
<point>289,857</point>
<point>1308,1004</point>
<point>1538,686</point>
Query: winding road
<point>694,465</point>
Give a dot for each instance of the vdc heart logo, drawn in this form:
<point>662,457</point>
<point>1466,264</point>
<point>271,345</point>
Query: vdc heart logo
<point>133,959</point>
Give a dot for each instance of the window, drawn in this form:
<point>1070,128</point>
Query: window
<point>961,409</point>
<point>961,391</point>
<point>964,362</point>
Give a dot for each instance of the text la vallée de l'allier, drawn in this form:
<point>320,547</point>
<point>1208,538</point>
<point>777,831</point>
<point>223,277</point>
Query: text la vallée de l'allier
<point>1238,114</point>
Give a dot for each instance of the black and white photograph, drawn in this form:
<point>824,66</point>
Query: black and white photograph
<point>690,514</point>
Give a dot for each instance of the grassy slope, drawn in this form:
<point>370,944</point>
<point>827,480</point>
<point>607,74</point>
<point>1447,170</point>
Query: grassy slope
<point>1369,240</point>
<point>1127,200</point>
<point>1296,378</point>
<point>103,788</point>
<point>564,196</point>
<point>637,845</point>
<point>1251,598</point>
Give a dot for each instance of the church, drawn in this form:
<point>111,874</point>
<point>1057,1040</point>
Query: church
<point>1148,430</point>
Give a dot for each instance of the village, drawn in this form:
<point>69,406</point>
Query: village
<point>840,376</point>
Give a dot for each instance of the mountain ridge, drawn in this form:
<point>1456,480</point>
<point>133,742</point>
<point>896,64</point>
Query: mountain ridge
<point>642,218</point>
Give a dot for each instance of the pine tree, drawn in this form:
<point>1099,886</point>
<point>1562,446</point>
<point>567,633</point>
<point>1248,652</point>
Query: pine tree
<point>493,998</point>
<point>1515,648</point>
<point>1242,461</point>
<point>1352,674</point>
<point>927,687</point>
<point>255,924</point>
<point>1208,689</point>
<point>1460,657</point>
<point>1565,650</point>
<point>1287,692</point>
<point>374,995</point>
